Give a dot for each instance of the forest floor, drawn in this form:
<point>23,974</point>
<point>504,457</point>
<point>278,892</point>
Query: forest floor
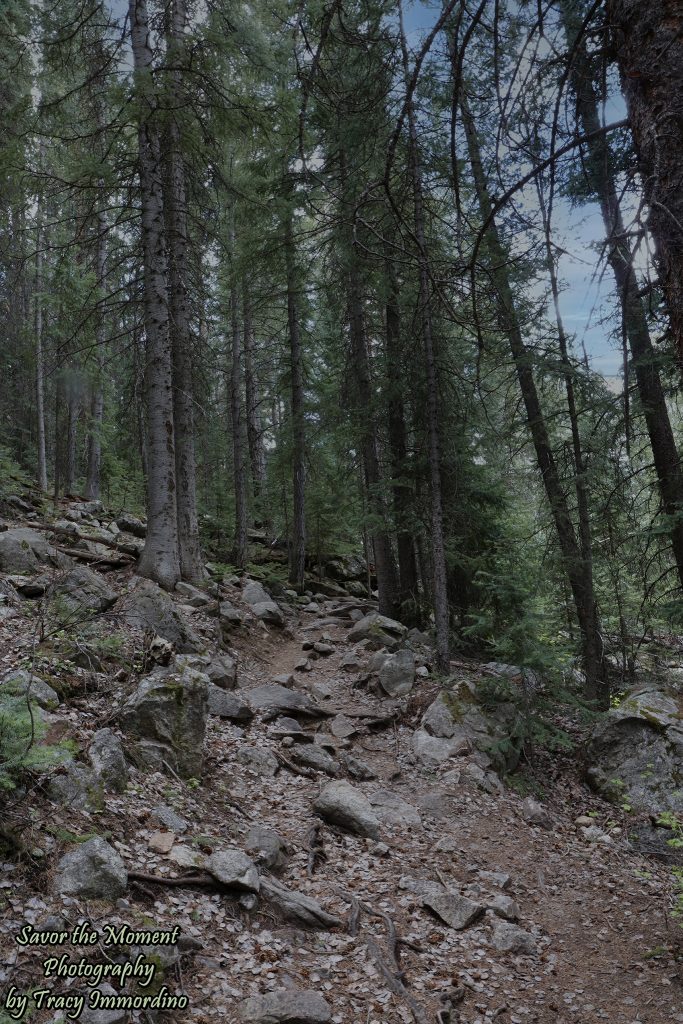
<point>604,946</point>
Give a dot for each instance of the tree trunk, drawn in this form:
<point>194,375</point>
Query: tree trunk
<point>297,562</point>
<point>73,412</point>
<point>92,483</point>
<point>159,560</point>
<point>238,453</point>
<point>257,459</point>
<point>577,568</point>
<point>40,370</point>
<point>439,574</point>
<point>599,169</point>
<point>648,42</point>
<point>175,206</point>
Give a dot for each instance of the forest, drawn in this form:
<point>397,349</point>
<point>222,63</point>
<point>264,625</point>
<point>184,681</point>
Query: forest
<point>364,314</point>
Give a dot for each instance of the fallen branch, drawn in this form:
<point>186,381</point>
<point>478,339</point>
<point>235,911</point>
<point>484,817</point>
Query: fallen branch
<point>88,556</point>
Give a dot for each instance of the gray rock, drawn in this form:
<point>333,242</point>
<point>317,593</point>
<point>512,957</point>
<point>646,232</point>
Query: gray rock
<point>228,705</point>
<point>357,768</point>
<point>635,753</point>
<point>316,758</point>
<point>342,727</point>
<point>503,906</point>
<point>438,719</point>
<point>535,814</point>
<point>222,671</point>
<point>169,708</point>
<point>153,756</point>
<point>22,550</point>
<point>509,938</point>
<point>486,781</point>
<point>193,596</point>
<point>391,809</point>
<point>433,750</point>
<point>296,905</point>
<point>164,815</point>
<point>379,629</point>
<point>266,847</point>
<point>397,674</point>
<point>254,593</point>
<point>131,524</point>
<point>93,871</point>
<point>82,591</point>
<point>286,1006</point>
<point>149,607</point>
<point>347,567</point>
<point>21,682</point>
<point>456,911</point>
<point>342,804</point>
<point>229,616</point>
<point>234,869</point>
<point>260,759</point>
<point>77,787</point>
<point>273,698</point>
<point>106,757</point>
<point>269,612</point>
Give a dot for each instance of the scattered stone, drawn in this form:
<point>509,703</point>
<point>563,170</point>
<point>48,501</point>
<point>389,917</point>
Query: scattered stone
<point>535,814</point>
<point>504,906</point>
<point>222,671</point>
<point>234,869</point>
<point>342,727</point>
<point>350,662</point>
<point>227,705</point>
<point>486,781</point>
<point>131,524</point>
<point>379,629</point>
<point>324,649</point>
<point>456,911</point>
<point>595,835</point>
<point>297,905</point>
<point>438,719</point>
<point>266,847</point>
<point>254,594</point>
<point>286,1006</point>
<point>93,871</point>
<point>161,842</point>
<point>22,550</point>
<point>106,757</point>
<point>260,760</point>
<point>341,804</point>
<point>164,815</point>
<point>273,698</point>
<point>76,786</point>
<point>498,878</point>
<point>228,616</point>
<point>509,938</point>
<point>357,768</point>
<point>284,680</point>
<point>184,857</point>
<point>315,757</point>
<point>397,674</point>
<point>21,682</point>
<point>192,595</point>
<point>434,750</point>
<point>391,809</point>
<point>269,612</point>
<point>304,666</point>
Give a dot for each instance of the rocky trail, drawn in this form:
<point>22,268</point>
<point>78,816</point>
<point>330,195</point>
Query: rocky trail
<point>332,842</point>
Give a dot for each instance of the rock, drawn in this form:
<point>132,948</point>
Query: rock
<point>21,682</point>
<point>433,750</point>
<point>184,857</point>
<point>347,567</point>
<point>350,662</point>
<point>273,698</point>
<point>297,905</point>
<point>397,674</point>
<point>503,906</point>
<point>456,911</point>
<point>102,1016</point>
<point>391,809</point>
<point>356,768</point>
<point>342,804</point>
<point>222,671</point>
<point>379,629</point>
<point>286,1006</point>
<point>106,757</point>
<point>76,786</point>
<point>229,616</point>
<point>131,524</point>
<point>234,869</point>
<point>438,719</point>
<point>595,835</point>
<point>498,878</point>
<point>266,847</point>
<point>153,756</point>
<point>164,815</point>
<point>635,753</point>
<point>149,607</point>
<point>324,649</point>
<point>535,814</point>
<point>269,612</point>
<point>342,727</point>
<point>228,705</point>
<point>260,760</point>
<point>316,758</point>
<point>254,593</point>
<point>161,842</point>
<point>82,591</point>
<point>193,596</point>
<point>93,871</point>
<point>486,781</point>
<point>509,938</point>
<point>170,708</point>
<point>22,550</point>
<point>289,727</point>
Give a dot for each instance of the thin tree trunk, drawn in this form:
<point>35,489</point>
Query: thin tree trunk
<point>238,453</point>
<point>73,412</point>
<point>297,563</point>
<point>40,369</point>
<point>577,568</point>
<point>92,484</point>
<point>159,560</point>
<point>602,179</point>
<point>648,42</point>
<point>439,574</point>
<point>257,460</point>
<point>175,206</point>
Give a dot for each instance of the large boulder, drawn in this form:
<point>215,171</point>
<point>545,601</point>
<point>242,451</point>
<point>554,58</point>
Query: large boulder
<point>270,697</point>
<point>255,593</point>
<point>149,607</point>
<point>93,871</point>
<point>22,550</point>
<point>397,674</point>
<point>228,705</point>
<point>83,591</point>
<point>342,804</point>
<point>131,524</point>
<point>378,629</point>
<point>349,567</point>
<point>20,682</point>
<point>234,869</point>
<point>169,710</point>
<point>109,764</point>
<point>635,753</point>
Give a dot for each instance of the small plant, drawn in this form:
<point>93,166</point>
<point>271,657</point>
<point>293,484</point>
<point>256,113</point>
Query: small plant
<point>670,820</point>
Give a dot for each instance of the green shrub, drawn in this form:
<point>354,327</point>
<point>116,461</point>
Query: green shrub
<point>21,729</point>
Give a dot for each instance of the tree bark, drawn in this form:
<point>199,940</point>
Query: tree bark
<point>40,369</point>
<point>175,207</point>
<point>647,39</point>
<point>257,459</point>
<point>92,483</point>
<point>577,568</point>
<point>159,560</point>
<point>297,559</point>
<point>238,453</point>
<point>599,169</point>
